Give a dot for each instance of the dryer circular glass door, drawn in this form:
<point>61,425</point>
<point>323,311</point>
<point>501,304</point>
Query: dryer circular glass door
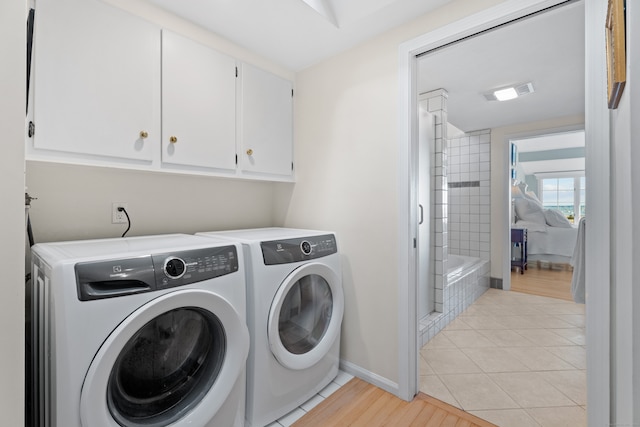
<point>174,359</point>
<point>305,316</point>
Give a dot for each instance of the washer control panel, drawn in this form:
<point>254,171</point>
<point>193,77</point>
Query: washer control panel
<point>185,267</point>
<point>119,277</point>
<point>301,249</point>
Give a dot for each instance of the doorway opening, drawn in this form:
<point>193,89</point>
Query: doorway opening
<point>547,186</point>
<point>596,130</point>
<point>457,84</point>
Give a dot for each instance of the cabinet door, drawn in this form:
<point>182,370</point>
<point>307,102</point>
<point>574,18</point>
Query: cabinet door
<point>266,123</point>
<point>198,105</point>
<point>97,81</point>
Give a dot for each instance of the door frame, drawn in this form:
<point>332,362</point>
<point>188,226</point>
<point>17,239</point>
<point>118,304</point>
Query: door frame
<point>597,162</point>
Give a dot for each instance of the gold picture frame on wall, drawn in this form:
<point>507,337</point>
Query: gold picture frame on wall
<point>616,51</point>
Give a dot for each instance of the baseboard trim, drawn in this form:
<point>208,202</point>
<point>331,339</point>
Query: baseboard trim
<point>370,377</point>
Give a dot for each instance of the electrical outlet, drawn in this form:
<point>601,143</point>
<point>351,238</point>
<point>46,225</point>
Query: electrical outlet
<point>118,217</point>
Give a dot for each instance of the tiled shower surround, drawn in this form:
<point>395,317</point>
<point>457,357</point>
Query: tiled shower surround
<point>462,289</point>
<point>461,215</point>
<point>470,194</point>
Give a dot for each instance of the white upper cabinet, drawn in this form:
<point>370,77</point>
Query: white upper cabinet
<point>266,123</point>
<point>97,82</point>
<point>113,89</point>
<point>198,105</point>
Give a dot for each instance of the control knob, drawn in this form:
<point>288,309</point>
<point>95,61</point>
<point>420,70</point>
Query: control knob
<point>305,247</point>
<point>174,268</point>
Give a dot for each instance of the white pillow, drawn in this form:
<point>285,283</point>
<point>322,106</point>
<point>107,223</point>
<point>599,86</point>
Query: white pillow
<point>532,196</point>
<point>528,210</point>
<point>555,218</point>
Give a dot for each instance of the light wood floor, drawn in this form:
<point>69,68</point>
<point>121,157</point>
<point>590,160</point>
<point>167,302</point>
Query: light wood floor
<point>359,403</point>
<point>547,282</point>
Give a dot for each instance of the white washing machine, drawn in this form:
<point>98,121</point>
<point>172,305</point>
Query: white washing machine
<point>295,305</point>
<point>141,331</point>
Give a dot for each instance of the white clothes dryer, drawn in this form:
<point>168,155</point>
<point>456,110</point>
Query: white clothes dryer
<point>141,331</point>
<point>295,305</point>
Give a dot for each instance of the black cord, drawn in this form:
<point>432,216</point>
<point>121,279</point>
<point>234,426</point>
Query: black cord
<point>30,28</point>
<point>29,231</point>
<point>121,209</point>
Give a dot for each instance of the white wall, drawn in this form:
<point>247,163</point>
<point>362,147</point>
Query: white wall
<point>74,202</point>
<point>346,157</point>
<point>633,92</point>
<point>500,177</point>
<point>625,232</point>
<point>12,110</point>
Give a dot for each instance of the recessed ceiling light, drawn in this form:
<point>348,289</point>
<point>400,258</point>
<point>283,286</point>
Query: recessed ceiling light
<point>510,92</point>
<point>506,94</point>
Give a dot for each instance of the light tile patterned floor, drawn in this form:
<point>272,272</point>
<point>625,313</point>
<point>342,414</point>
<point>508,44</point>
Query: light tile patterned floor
<point>513,359</point>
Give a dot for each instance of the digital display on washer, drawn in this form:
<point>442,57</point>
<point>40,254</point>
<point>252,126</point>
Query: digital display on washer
<point>119,277</point>
<point>300,249</point>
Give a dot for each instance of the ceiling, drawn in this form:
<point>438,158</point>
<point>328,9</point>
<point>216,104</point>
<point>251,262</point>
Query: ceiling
<point>546,49</point>
<point>298,33</point>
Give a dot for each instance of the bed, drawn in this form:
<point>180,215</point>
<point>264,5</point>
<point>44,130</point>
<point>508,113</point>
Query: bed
<point>551,238</point>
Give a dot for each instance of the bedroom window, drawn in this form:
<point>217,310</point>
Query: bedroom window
<point>566,194</point>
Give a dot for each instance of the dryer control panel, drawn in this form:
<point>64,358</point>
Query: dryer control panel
<point>146,273</point>
<point>301,249</point>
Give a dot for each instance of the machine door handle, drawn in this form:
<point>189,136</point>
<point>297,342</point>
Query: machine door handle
<point>421,220</point>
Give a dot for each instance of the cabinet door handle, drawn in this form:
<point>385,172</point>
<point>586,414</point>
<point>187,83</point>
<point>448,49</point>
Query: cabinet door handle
<point>421,220</point>
<point>173,139</point>
<point>249,152</point>
<point>144,134</point>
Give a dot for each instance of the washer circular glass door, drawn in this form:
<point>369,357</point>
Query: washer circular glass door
<point>166,367</point>
<point>305,316</point>
<point>175,359</point>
